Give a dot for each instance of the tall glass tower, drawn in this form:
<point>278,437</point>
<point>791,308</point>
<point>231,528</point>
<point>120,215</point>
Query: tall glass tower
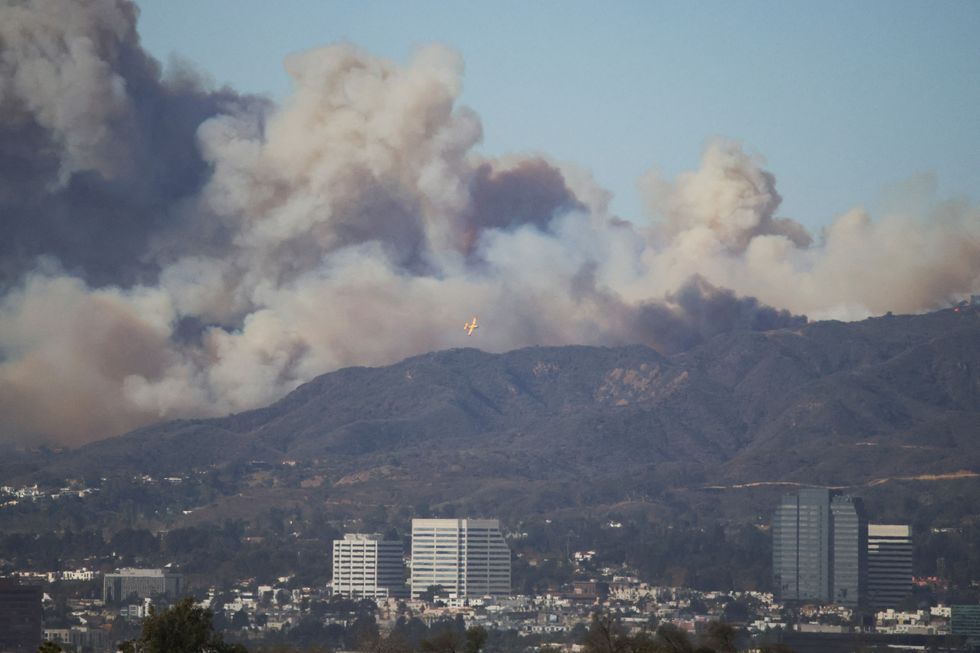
<point>848,550</point>
<point>801,545</point>
<point>819,548</point>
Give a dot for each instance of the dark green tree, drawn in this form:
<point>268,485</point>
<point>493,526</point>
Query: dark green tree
<point>363,634</point>
<point>451,640</point>
<point>184,628</point>
<point>443,642</point>
<point>239,620</point>
<point>720,637</point>
<point>410,632</point>
<point>476,637</point>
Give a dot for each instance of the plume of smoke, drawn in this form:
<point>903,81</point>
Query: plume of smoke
<point>177,251</point>
<point>719,222</point>
<point>97,151</point>
<point>730,197</point>
<point>68,349</point>
<point>61,68</point>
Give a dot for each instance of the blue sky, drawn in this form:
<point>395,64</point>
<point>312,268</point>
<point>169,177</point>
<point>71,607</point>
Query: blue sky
<point>846,100</point>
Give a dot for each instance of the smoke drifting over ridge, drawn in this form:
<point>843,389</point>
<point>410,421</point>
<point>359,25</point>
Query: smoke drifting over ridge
<point>170,250</point>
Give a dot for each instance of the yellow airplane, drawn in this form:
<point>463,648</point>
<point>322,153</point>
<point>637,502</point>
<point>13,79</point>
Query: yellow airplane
<point>470,327</point>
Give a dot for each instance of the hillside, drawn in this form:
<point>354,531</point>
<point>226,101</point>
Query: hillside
<point>547,429</point>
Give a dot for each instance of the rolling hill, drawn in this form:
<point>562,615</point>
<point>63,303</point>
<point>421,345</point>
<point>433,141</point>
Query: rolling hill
<point>870,405</point>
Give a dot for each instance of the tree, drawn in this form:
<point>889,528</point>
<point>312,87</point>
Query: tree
<point>411,632</point>
<point>444,642</point>
<point>239,620</point>
<point>184,628</point>
<point>49,647</point>
<point>720,637</point>
<point>455,639</point>
<point>672,639</point>
<point>363,633</point>
<point>431,592</point>
<point>310,631</point>
<point>605,635</point>
<point>476,637</point>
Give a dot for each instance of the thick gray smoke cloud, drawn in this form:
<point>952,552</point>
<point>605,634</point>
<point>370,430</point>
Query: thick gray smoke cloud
<point>96,152</point>
<point>170,250</point>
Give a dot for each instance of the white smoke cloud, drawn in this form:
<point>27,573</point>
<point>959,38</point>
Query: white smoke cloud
<point>59,63</point>
<point>357,224</point>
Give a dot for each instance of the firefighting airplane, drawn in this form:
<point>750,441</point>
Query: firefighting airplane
<point>470,327</point>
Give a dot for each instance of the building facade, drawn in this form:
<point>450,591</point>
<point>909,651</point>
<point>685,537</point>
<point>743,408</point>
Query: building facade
<point>889,564</point>
<point>126,584</point>
<point>78,574</point>
<point>465,557</point>
<point>78,638</point>
<point>848,550</point>
<point>21,617</point>
<point>800,548</point>
<point>368,566</point>
<point>819,548</point>
<point>965,622</point>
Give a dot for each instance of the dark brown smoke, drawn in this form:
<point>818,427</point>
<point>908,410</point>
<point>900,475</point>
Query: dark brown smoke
<point>698,311</point>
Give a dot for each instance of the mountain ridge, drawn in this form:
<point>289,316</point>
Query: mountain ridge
<point>828,403</point>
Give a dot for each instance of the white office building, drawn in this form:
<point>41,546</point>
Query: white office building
<point>889,564</point>
<point>367,566</point>
<point>465,557</point>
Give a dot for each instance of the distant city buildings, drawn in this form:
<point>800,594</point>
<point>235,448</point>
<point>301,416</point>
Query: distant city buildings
<point>889,565</point>
<point>21,617</point>
<point>820,548</point>
<point>367,566</point>
<point>464,557</point>
<point>824,551</point>
<point>78,638</point>
<point>965,622</point>
<point>78,574</point>
<point>126,584</point>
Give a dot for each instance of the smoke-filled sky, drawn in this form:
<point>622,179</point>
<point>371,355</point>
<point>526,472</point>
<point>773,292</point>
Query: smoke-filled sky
<point>174,248</point>
<point>844,99</point>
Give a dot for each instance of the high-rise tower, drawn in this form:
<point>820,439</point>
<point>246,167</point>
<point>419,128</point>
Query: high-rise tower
<point>368,566</point>
<point>800,548</point>
<point>889,564</point>
<point>465,557</point>
<point>21,617</point>
<point>848,550</point>
<point>819,548</point>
